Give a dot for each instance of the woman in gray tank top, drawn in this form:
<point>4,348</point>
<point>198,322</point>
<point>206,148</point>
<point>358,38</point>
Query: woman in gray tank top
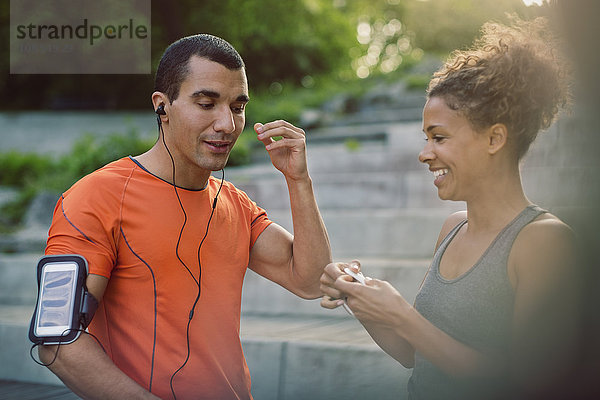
<point>485,323</point>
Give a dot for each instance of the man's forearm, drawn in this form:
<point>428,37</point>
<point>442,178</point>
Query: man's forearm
<point>311,248</point>
<point>90,373</point>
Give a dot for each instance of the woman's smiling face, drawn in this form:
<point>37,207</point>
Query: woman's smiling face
<point>455,152</point>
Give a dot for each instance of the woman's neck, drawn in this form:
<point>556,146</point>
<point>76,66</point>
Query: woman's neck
<point>497,204</point>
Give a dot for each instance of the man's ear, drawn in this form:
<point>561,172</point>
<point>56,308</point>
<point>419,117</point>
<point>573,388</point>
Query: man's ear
<point>497,137</point>
<point>158,99</point>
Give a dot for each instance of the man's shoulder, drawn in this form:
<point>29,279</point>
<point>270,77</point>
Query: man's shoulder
<point>109,178</point>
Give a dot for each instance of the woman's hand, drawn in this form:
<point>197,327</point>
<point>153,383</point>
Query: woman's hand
<point>333,297</point>
<point>376,304</point>
<point>376,301</point>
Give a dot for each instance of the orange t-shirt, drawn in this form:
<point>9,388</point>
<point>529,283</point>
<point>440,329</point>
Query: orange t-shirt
<point>126,223</point>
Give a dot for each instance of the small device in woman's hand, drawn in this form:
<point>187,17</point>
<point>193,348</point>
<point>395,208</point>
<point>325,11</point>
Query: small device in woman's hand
<point>356,275</point>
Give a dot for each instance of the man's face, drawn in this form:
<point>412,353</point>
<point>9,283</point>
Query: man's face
<point>207,117</point>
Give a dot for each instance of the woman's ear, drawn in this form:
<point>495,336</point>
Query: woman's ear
<point>497,137</point>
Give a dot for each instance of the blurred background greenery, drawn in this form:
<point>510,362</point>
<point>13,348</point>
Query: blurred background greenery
<point>299,54</point>
<point>317,45</point>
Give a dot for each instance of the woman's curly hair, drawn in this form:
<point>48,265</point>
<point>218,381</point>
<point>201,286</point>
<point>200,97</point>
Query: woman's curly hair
<point>512,75</point>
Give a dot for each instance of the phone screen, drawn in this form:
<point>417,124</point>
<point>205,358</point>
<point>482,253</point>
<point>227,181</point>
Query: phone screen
<point>56,300</point>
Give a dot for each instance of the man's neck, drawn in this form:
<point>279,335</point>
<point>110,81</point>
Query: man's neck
<point>158,162</point>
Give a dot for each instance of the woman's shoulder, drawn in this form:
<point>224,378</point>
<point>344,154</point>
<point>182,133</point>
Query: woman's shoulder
<point>544,245</point>
<point>545,230</point>
<point>451,221</point>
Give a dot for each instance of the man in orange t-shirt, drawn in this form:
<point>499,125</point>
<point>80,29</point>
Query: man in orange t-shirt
<point>168,244</point>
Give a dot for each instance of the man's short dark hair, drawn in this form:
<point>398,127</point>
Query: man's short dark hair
<point>174,63</point>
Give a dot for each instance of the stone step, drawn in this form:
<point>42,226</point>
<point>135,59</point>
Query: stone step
<point>53,132</point>
<point>394,147</point>
<point>342,190</point>
<point>18,285</point>
<point>16,390</point>
<point>380,233</point>
<point>28,239</point>
<point>15,361</point>
<point>7,195</point>
<point>262,297</point>
<point>289,358</point>
<point>259,296</point>
<point>315,358</point>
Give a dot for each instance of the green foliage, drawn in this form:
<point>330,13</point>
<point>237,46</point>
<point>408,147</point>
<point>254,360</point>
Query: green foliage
<point>352,145</point>
<point>33,173</point>
<point>88,154</point>
<point>441,26</point>
<point>12,213</point>
<point>417,82</point>
<point>383,42</point>
<point>279,40</point>
<point>265,107</point>
<point>287,101</point>
<point>240,154</point>
<point>17,169</point>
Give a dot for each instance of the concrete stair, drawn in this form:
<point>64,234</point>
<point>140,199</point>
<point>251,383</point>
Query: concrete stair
<point>261,297</point>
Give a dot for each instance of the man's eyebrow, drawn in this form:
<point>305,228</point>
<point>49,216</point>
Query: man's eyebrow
<point>207,93</point>
<point>215,95</point>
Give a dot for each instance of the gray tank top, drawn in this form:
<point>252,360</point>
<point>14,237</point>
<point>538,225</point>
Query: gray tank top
<point>476,309</point>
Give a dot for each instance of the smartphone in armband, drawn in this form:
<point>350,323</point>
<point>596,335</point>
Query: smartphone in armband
<point>64,307</point>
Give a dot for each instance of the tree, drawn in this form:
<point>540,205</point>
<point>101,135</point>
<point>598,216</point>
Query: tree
<point>441,26</point>
<point>279,40</point>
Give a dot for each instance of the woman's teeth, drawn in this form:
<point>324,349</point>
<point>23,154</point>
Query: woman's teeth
<point>440,172</point>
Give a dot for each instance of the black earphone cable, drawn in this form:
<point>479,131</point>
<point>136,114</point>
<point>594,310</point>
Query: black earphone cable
<point>180,206</point>
<point>198,281</point>
<point>59,344</point>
